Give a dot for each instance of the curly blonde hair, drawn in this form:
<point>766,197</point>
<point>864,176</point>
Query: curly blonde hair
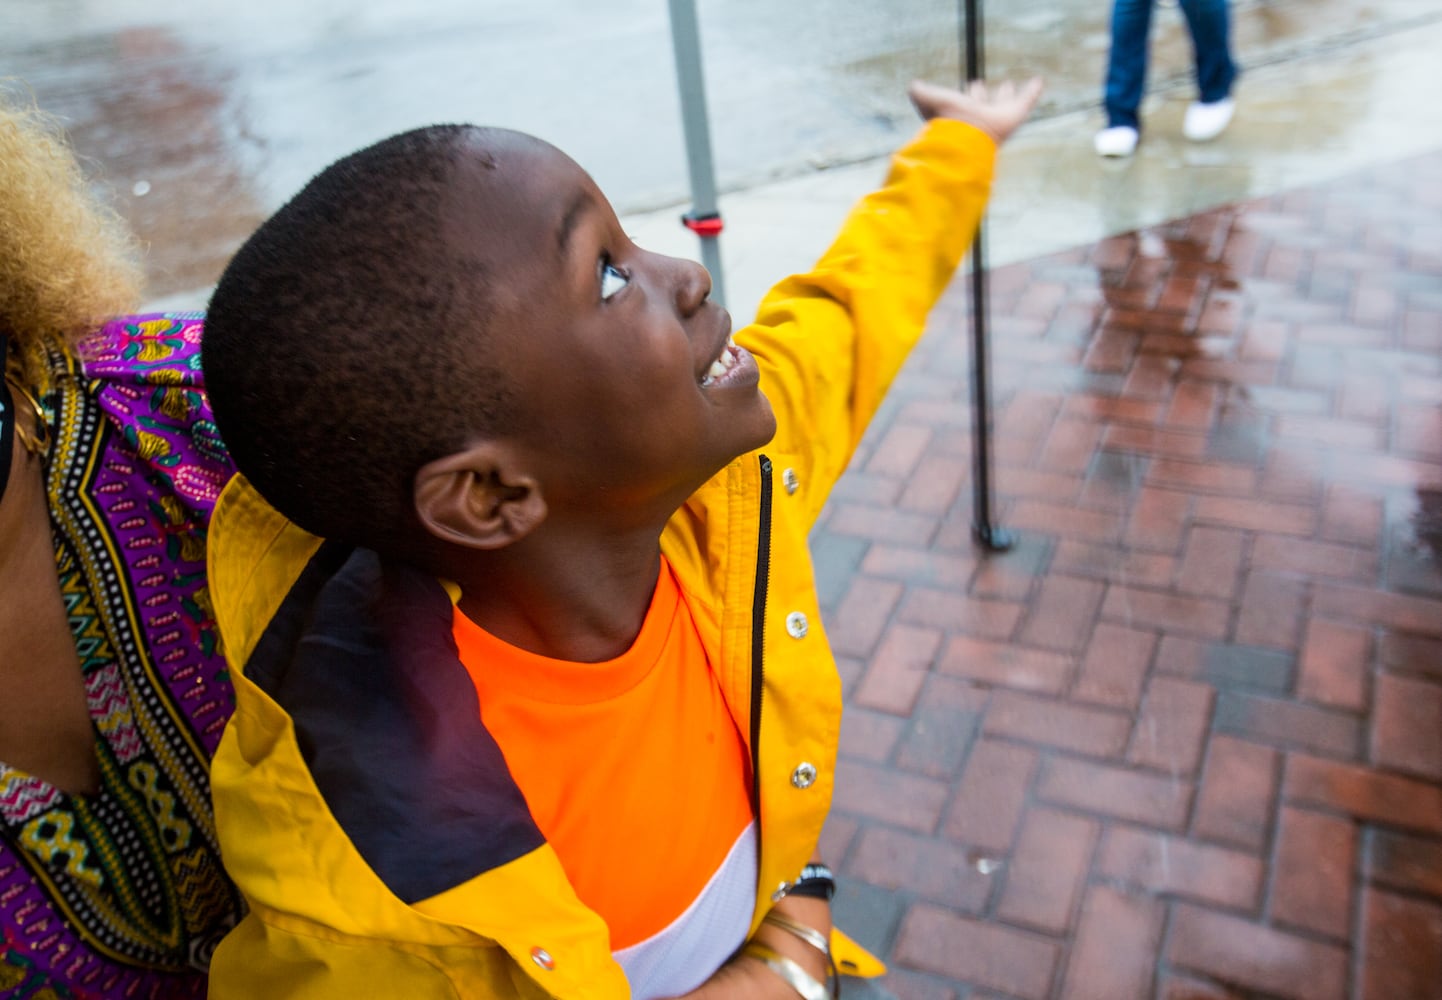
<point>67,262</point>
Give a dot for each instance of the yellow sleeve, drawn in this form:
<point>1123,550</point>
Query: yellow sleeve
<point>260,960</point>
<point>306,962</point>
<point>829,342</point>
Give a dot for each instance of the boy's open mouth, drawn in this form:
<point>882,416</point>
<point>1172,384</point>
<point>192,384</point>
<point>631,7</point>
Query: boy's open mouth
<point>728,359</point>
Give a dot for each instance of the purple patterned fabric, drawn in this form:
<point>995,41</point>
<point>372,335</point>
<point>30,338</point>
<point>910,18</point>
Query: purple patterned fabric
<point>121,893</point>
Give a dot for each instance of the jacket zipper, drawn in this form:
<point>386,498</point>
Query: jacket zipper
<point>758,634</point>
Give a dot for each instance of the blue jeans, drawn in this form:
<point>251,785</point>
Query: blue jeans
<point>1209,23</point>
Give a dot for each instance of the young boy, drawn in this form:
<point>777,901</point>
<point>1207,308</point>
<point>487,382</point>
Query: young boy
<point>532,692</point>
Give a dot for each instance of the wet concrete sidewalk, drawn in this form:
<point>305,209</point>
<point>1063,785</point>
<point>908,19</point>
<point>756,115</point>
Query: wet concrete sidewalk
<point>1185,741</point>
<point>201,117</point>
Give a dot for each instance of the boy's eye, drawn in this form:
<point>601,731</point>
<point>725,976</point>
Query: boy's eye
<point>613,279</point>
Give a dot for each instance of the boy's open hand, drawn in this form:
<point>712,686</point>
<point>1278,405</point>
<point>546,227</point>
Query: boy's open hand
<point>997,112</point>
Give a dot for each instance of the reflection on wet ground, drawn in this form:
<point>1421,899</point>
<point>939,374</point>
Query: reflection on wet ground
<point>154,120</point>
<point>223,110</point>
<point>1191,723</point>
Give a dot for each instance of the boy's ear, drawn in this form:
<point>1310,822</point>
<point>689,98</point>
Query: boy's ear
<point>478,498</point>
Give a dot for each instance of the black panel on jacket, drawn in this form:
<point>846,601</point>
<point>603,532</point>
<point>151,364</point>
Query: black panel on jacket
<point>361,656</point>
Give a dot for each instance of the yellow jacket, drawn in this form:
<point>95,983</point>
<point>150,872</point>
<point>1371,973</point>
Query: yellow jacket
<point>401,865</point>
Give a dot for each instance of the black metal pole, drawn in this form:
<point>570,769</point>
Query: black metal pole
<point>984,529</point>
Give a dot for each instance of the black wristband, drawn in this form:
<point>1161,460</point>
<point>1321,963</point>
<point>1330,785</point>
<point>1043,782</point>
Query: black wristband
<point>814,882</point>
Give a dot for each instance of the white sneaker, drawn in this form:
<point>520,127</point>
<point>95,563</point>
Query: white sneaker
<point>1119,140</point>
<point>1207,121</point>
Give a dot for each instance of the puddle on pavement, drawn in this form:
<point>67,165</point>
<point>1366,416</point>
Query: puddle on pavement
<point>1414,544</point>
<point>1427,522</point>
<point>1066,42</point>
<point>984,863</point>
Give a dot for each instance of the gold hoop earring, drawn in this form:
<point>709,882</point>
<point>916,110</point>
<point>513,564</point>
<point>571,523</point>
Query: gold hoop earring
<point>35,438</point>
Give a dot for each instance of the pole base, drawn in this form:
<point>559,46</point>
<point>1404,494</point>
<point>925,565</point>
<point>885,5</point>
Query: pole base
<point>993,538</point>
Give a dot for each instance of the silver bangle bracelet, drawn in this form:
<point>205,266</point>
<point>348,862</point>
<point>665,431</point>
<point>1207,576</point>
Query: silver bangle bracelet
<point>810,935</point>
<point>805,985</point>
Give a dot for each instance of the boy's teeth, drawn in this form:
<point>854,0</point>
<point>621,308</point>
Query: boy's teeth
<point>723,363</point>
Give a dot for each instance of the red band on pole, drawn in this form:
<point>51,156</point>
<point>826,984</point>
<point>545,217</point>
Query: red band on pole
<point>703,225</point>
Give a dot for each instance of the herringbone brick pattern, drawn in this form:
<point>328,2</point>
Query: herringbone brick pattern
<point>1185,741</point>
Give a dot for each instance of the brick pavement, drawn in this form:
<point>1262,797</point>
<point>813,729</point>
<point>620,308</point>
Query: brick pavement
<point>1185,741</point>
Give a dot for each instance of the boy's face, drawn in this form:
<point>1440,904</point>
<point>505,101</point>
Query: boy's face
<point>631,392</point>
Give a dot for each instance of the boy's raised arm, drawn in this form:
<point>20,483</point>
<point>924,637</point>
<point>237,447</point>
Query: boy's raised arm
<point>831,340</point>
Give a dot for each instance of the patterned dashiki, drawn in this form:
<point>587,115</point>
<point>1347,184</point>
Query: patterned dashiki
<point>121,893</point>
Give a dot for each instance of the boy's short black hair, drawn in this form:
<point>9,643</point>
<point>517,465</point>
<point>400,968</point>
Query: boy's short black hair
<point>344,345</point>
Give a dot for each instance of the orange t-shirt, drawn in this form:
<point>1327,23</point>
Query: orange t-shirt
<point>633,768</point>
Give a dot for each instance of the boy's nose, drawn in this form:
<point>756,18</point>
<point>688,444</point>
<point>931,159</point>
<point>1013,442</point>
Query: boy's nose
<point>693,286</point>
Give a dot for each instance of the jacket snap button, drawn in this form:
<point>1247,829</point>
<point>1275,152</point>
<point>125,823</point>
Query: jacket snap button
<point>789,480</point>
<point>543,958</point>
<point>796,625</point>
<point>804,776</point>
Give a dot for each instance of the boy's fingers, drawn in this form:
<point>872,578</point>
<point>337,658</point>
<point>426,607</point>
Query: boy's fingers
<point>997,110</point>
<point>926,98</point>
<point>926,91</point>
<point>1030,92</point>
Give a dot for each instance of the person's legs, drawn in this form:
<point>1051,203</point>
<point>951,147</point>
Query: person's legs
<point>1127,64</point>
<point>1210,24</point>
